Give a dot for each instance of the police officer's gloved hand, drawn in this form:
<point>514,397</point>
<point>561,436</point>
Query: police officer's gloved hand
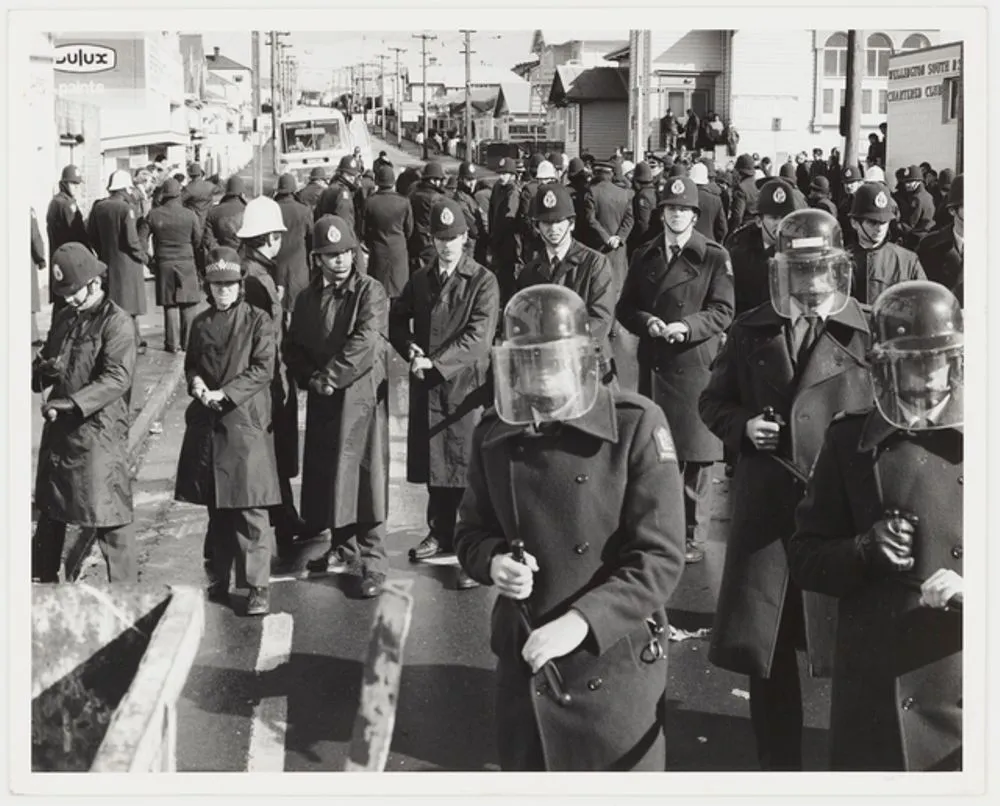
<point>57,406</point>
<point>49,368</point>
<point>887,546</point>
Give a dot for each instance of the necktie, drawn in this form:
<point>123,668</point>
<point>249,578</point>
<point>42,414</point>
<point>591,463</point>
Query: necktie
<point>675,252</point>
<point>813,326</point>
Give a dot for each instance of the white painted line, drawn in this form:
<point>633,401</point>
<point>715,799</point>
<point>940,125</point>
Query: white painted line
<point>270,718</point>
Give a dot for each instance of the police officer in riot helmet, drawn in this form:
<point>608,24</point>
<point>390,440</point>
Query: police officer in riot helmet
<point>586,478</point>
<point>880,529</point>
<point>788,367</point>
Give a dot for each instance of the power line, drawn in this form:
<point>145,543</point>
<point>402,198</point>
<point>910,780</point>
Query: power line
<point>424,39</point>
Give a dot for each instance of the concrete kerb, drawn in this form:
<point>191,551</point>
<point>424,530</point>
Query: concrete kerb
<point>151,411</point>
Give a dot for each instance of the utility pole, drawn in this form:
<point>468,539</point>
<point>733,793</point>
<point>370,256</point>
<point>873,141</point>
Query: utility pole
<point>258,151</point>
<point>468,93</point>
<point>639,76</point>
<point>398,99</point>
<point>353,92</point>
<point>274,42</point>
<point>381,78</point>
<point>852,99</point>
<point>423,56</point>
<point>364,94</point>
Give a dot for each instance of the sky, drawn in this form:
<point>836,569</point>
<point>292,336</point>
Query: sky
<point>320,53</point>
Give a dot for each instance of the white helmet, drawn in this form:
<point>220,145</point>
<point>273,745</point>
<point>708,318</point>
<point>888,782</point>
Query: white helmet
<point>261,216</point>
<point>546,170</point>
<point>699,173</point>
<point>627,167</point>
<point>120,180</point>
<point>874,174</point>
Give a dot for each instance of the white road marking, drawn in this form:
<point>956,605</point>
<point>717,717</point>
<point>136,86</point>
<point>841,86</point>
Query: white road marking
<point>270,718</point>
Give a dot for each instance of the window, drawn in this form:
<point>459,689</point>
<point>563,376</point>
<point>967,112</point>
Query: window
<point>841,95</point>
<point>317,135</point>
<point>878,53</point>
<point>835,56</point>
<point>827,102</point>
<point>952,98</point>
<point>866,102</point>
<point>882,105</point>
<point>916,42</point>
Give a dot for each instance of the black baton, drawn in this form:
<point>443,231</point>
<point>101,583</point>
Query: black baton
<point>552,676</point>
<point>771,416</point>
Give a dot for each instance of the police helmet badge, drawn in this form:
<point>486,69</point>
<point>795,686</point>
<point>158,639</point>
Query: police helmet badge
<point>549,200</point>
<point>352,165</point>
<point>333,235</point>
<point>447,218</point>
<point>677,188</point>
<point>881,200</point>
<point>779,196</point>
<point>472,169</point>
<point>57,272</point>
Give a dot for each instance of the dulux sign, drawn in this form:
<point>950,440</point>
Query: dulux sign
<point>85,58</point>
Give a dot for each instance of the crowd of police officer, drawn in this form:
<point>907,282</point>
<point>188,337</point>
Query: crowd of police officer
<point>757,321</point>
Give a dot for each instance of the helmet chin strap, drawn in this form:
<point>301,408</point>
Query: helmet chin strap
<point>679,231</point>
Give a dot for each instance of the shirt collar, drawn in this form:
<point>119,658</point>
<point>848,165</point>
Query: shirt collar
<point>932,415</point>
<point>561,252</point>
<point>681,240</point>
<point>877,429</point>
<point>823,311</point>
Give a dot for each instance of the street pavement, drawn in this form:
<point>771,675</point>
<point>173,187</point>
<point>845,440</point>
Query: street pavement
<point>280,693</point>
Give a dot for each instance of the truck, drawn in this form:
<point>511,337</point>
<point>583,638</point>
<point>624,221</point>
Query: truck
<point>924,109</point>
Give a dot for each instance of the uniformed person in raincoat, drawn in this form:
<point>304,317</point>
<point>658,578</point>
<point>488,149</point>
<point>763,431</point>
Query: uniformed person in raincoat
<point>424,197</point>
<point>261,237</point>
<point>292,261</point>
<point>443,325</point>
<point>177,240</point>
<point>337,348</point>
<point>751,247</point>
<point>477,242</point>
<point>878,263</point>
<point>942,253</point>
<point>586,477</point>
<point>607,221</point>
<point>225,219</point>
<point>88,362</point>
<point>227,460</point>
<point>310,194</point>
<point>113,235</point>
<point>64,222</point>
<point>804,355</point>
<point>678,300</point>
<point>198,194</point>
<point>340,196</point>
<point>880,528</point>
<point>566,261</point>
<point>388,225</point>
<point>506,259</point>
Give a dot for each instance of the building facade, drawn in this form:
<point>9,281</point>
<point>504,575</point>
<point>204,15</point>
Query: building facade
<point>137,83</point>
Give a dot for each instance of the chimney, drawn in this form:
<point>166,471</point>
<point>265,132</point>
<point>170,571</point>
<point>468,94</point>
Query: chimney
<point>216,49</point>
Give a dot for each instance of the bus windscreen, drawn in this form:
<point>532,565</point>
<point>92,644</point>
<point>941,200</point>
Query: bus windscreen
<point>314,135</point>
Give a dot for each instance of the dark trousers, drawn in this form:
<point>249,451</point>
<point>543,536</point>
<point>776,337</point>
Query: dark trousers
<point>776,701</point>
<point>697,499</point>
<point>362,544</point>
<point>177,321</point>
<point>442,511</point>
<point>116,542</point>
<point>242,536</point>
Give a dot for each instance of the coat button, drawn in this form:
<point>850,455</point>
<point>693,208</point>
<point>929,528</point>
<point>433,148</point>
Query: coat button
<point>680,304</point>
<point>582,548</point>
<point>961,479</point>
<point>581,478</point>
<point>760,362</point>
<point>539,691</point>
<point>908,703</point>
<point>957,552</point>
<point>595,684</point>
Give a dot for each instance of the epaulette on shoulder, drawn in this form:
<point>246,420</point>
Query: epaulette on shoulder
<point>842,416</point>
<point>632,400</point>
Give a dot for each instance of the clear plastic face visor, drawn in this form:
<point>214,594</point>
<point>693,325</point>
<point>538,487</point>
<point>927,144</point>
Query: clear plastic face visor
<point>919,390</point>
<point>550,382</point>
<point>820,285</point>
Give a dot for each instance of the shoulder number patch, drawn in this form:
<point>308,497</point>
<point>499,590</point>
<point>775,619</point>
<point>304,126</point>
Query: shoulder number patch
<point>664,444</point>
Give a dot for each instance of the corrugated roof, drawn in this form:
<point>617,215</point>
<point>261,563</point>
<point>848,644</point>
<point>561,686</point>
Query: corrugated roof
<point>514,99</point>
<point>577,84</point>
<point>221,62</point>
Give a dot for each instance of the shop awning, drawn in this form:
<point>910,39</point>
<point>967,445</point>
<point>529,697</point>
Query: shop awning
<point>169,138</point>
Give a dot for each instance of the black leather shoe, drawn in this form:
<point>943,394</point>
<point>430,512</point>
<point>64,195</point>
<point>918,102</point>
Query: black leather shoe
<point>692,554</point>
<point>464,581</point>
<point>259,602</point>
<point>218,592</point>
<point>429,547</point>
<point>370,584</point>
<point>330,563</point>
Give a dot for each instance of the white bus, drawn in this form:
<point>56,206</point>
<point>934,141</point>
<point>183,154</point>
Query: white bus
<point>317,136</point>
